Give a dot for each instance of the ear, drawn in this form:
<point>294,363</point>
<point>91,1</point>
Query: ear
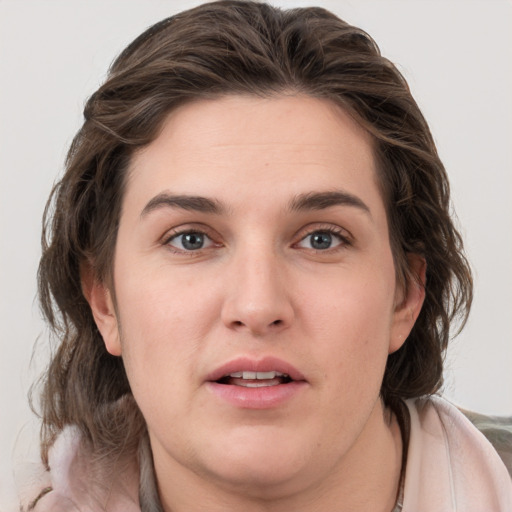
<point>100,301</point>
<point>408,302</point>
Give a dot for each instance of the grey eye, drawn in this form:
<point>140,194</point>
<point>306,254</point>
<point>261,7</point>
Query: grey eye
<point>190,241</point>
<point>321,240</point>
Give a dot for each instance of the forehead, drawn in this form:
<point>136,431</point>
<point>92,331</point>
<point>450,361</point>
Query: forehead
<point>232,143</point>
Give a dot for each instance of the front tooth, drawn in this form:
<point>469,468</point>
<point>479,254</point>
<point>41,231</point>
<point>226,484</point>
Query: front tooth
<point>265,375</point>
<point>259,384</point>
<point>256,375</point>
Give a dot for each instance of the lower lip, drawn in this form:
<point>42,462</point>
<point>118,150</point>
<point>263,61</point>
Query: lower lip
<point>267,397</point>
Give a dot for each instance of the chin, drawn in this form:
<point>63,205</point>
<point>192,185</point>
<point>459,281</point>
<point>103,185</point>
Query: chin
<point>264,460</point>
<point>259,480</point>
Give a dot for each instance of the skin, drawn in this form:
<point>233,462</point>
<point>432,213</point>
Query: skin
<point>259,287</point>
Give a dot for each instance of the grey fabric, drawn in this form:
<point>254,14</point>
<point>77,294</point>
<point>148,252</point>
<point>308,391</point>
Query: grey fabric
<point>498,430</point>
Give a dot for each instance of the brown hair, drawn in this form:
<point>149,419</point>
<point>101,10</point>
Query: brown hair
<point>221,48</point>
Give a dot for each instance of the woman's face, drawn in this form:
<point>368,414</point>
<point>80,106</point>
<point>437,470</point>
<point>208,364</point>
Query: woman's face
<point>256,300</point>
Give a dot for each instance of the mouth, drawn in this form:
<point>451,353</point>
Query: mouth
<point>248,383</point>
<point>253,379</point>
<point>251,373</point>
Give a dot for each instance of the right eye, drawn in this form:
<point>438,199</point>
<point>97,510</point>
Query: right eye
<point>190,241</point>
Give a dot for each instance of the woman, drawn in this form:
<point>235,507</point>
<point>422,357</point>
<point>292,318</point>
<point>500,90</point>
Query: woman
<point>252,269</point>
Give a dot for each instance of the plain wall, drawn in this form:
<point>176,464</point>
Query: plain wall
<point>457,57</point>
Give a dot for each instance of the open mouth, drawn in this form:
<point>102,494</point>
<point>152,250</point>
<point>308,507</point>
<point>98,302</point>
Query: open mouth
<point>250,379</point>
<point>258,384</point>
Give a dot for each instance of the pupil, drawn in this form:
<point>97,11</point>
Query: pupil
<point>321,240</point>
<point>192,241</point>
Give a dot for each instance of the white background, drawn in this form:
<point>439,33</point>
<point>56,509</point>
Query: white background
<point>457,56</point>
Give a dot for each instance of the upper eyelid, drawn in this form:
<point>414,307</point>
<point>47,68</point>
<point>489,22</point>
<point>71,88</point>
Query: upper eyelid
<point>177,234</point>
<point>321,226</point>
<point>299,235</point>
<point>187,228</point>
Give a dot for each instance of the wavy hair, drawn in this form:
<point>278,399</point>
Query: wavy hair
<point>222,48</point>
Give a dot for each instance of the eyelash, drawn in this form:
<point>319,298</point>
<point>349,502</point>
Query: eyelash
<point>186,231</point>
<point>340,234</point>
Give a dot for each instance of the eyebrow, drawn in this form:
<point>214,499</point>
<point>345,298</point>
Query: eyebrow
<point>301,202</point>
<point>184,202</point>
<point>323,200</point>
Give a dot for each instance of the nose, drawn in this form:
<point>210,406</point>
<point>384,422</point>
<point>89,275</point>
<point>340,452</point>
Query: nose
<point>258,295</point>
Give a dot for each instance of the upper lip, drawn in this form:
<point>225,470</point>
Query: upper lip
<point>265,364</point>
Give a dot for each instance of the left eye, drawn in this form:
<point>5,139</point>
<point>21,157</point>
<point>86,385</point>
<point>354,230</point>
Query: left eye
<point>190,241</point>
<point>321,240</point>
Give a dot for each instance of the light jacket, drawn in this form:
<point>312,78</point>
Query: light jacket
<point>451,467</point>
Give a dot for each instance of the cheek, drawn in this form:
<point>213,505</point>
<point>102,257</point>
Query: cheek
<point>162,323</point>
<point>351,318</point>
<point>354,305</point>
<point>156,298</point>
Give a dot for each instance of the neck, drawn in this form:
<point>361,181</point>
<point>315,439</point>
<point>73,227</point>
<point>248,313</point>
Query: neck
<point>366,479</point>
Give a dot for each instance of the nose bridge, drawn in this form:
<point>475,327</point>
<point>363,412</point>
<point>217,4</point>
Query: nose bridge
<point>258,298</point>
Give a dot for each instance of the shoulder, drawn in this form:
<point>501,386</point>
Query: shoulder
<point>497,430</point>
<point>40,490</point>
<point>48,500</point>
<point>77,480</point>
<point>450,463</point>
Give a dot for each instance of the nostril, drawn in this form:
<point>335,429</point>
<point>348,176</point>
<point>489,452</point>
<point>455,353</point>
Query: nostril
<point>239,323</point>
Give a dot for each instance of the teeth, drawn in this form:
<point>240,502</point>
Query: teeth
<point>262,384</point>
<point>257,375</point>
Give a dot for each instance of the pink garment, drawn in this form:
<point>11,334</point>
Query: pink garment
<point>451,467</point>
<point>80,484</point>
